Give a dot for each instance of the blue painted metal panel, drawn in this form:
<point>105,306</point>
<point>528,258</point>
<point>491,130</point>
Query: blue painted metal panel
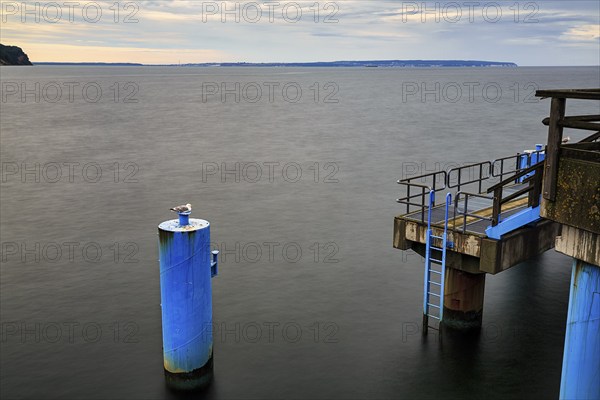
<point>531,157</point>
<point>186,266</point>
<point>513,222</point>
<point>581,361</point>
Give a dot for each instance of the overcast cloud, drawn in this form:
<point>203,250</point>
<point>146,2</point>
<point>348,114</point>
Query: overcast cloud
<point>157,32</point>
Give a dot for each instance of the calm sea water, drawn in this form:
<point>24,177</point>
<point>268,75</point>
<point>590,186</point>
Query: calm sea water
<point>298,181</point>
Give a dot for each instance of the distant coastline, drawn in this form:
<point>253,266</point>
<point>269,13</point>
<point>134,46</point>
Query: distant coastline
<point>331,64</point>
<point>93,64</point>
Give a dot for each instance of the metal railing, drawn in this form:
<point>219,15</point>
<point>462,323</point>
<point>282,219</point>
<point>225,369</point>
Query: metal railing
<point>520,162</point>
<point>533,176</point>
<point>422,190</point>
<point>499,165</point>
<point>465,211</point>
<point>481,171</point>
<point>519,168</point>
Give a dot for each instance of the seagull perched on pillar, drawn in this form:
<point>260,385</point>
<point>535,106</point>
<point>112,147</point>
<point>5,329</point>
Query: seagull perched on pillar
<point>182,209</point>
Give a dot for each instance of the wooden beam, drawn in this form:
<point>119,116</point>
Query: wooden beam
<point>586,94</point>
<point>588,118</point>
<point>591,138</point>
<point>555,134</point>
<point>592,146</point>
<point>588,126</point>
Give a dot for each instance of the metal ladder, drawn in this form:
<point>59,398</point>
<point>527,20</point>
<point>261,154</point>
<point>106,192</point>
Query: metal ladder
<point>435,266</point>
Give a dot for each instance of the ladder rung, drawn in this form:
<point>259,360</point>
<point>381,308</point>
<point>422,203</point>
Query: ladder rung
<point>439,244</point>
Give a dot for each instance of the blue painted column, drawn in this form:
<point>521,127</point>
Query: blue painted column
<point>186,268</point>
<point>581,361</point>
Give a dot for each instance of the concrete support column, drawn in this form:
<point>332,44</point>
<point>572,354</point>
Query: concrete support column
<point>463,299</point>
<point>581,361</point>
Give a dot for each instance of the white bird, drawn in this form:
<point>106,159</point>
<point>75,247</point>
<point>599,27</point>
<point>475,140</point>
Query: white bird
<point>566,140</point>
<point>182,209</point>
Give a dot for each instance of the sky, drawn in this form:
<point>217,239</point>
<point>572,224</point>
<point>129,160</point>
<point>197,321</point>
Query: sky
<point>528,33</point>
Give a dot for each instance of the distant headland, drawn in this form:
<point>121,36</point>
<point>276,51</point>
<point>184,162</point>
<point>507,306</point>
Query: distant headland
<point>363,64</point>
<point>13,55</point>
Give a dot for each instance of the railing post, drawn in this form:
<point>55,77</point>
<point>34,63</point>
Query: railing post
<point>555,134</point>
<point>497,206</point>
<point>456,199</point>
<point>480,176</point>
<point>536,192</point>
<point>422,205</point>
<point>466,212</point>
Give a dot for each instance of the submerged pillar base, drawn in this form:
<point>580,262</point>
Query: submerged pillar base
<point>463,300</point>
<point>189,381</point>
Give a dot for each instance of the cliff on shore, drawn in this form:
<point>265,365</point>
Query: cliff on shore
<point>13,55</point>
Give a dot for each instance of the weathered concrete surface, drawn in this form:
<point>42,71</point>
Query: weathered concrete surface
<point>579,244</point>
<point>400,241</point>
<point>517,246</point>
<point>577,195</point>
<point>463,299</point>
<point>454,260</point>
<point>476,254</point>
<point>405,230</point>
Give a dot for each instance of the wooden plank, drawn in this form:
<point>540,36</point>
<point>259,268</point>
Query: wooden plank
<point>591,138</point>
<point>593,146</point>
<point>577,154</point>
<point>555,133</point>
<point>583,118</point>
<point>591,118</point>
<point>587,94</point>
<point>588,126</point>
<point>497,207</point>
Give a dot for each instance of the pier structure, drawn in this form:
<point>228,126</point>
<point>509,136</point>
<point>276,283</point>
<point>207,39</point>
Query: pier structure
<point>502,212</point>
<point>490,223</point>
<point>571,198</point>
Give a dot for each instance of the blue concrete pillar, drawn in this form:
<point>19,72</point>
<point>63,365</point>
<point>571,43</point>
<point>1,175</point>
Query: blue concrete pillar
<point>186,268</point>
<point>581,361</point>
